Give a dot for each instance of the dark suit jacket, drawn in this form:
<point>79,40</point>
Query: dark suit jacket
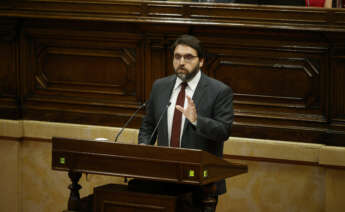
<point>213,101</point>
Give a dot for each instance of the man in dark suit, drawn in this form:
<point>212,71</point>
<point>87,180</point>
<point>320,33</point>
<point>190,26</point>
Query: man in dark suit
<point>200,111</point>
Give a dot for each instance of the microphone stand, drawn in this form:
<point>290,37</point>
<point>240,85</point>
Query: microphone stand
<point>159,121</point>
<point>129,120</point>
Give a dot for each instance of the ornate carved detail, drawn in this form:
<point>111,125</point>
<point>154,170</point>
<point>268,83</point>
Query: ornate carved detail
<point>144,9</point>
<point>74,197</point>
<point>287,80</point>
<point>71,70</point>
<point>82,76</point>
<point>171,12</point>
<point>67,67</point>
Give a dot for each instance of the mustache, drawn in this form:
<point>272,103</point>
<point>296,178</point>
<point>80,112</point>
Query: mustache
<point>182,68</point>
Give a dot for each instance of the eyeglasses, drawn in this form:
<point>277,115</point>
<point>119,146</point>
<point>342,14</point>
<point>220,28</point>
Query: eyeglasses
<point>187,57</point>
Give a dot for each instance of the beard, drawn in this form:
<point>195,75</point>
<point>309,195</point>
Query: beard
<point>189,75</point>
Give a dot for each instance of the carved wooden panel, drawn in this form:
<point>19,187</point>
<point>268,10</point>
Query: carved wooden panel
<point>262,80</point>
<point>87,72</point>
<point>76,73</point>
<point>8,70</point>
<point>338,88</point>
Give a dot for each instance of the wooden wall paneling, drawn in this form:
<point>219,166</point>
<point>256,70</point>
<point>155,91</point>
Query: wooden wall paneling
<point>9,101</point>
<point>94,62</point>
<point>276,81</point>
<point>159,38</point>
<point>339,89</point>
<point>140,70</point>
<point>337,134</point>
<point>179,12</point>
<point>148,76</point>
<point>157,59</point>
<point>338,101</point>
<point>81,73</point>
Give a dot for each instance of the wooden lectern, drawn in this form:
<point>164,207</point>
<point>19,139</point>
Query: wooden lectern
<point>163,164</point>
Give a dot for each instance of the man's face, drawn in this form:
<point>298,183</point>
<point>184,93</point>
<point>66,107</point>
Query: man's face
<point>186,62</point>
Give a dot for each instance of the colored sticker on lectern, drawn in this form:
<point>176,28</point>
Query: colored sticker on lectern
<point>205,173</point>
<point>191,173</point>
<point>62,160</point>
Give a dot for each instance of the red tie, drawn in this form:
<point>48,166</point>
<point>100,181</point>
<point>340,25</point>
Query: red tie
<point>176,126</point>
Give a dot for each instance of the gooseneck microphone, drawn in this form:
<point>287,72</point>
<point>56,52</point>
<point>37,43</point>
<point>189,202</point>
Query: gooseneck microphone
<point>129,120</point>
<point>159,121</point>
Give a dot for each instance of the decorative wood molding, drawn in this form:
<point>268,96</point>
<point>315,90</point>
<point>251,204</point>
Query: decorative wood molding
<point>257,16</point>
<point>81,73</point>
<point>7,138</point>
<point>338,88</point>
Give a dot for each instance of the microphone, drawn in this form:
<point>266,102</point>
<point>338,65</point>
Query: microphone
<point>129,120</point>
<point>159,121</point>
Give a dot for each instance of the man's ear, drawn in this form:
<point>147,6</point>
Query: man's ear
<point>201,62</point>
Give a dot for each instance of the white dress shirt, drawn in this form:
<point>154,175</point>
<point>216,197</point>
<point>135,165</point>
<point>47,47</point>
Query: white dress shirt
<point>190,88</point>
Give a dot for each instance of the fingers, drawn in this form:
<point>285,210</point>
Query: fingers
<point>190,107</point>
<point>191,104</point>
<point>179,108</point>
<point>190,101</point>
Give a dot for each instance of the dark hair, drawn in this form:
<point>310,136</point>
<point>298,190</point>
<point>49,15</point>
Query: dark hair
<point>190,41</point>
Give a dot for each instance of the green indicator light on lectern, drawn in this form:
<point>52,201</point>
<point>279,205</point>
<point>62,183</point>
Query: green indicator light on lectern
<point>191,173</point>
<point>205,173</point>
<point>62,160</point>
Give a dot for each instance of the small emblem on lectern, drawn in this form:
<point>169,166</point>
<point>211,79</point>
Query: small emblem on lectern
<point>62,160</point>
<point>191,173</point>
<point>205,173</point>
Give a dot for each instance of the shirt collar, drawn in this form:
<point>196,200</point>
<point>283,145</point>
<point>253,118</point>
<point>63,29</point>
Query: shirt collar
<point>191,84</point>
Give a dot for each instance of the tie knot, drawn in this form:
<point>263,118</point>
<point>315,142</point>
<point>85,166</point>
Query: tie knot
<point>184,85</point>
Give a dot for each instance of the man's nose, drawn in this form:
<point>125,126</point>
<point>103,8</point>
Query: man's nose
<point>182,61</point>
